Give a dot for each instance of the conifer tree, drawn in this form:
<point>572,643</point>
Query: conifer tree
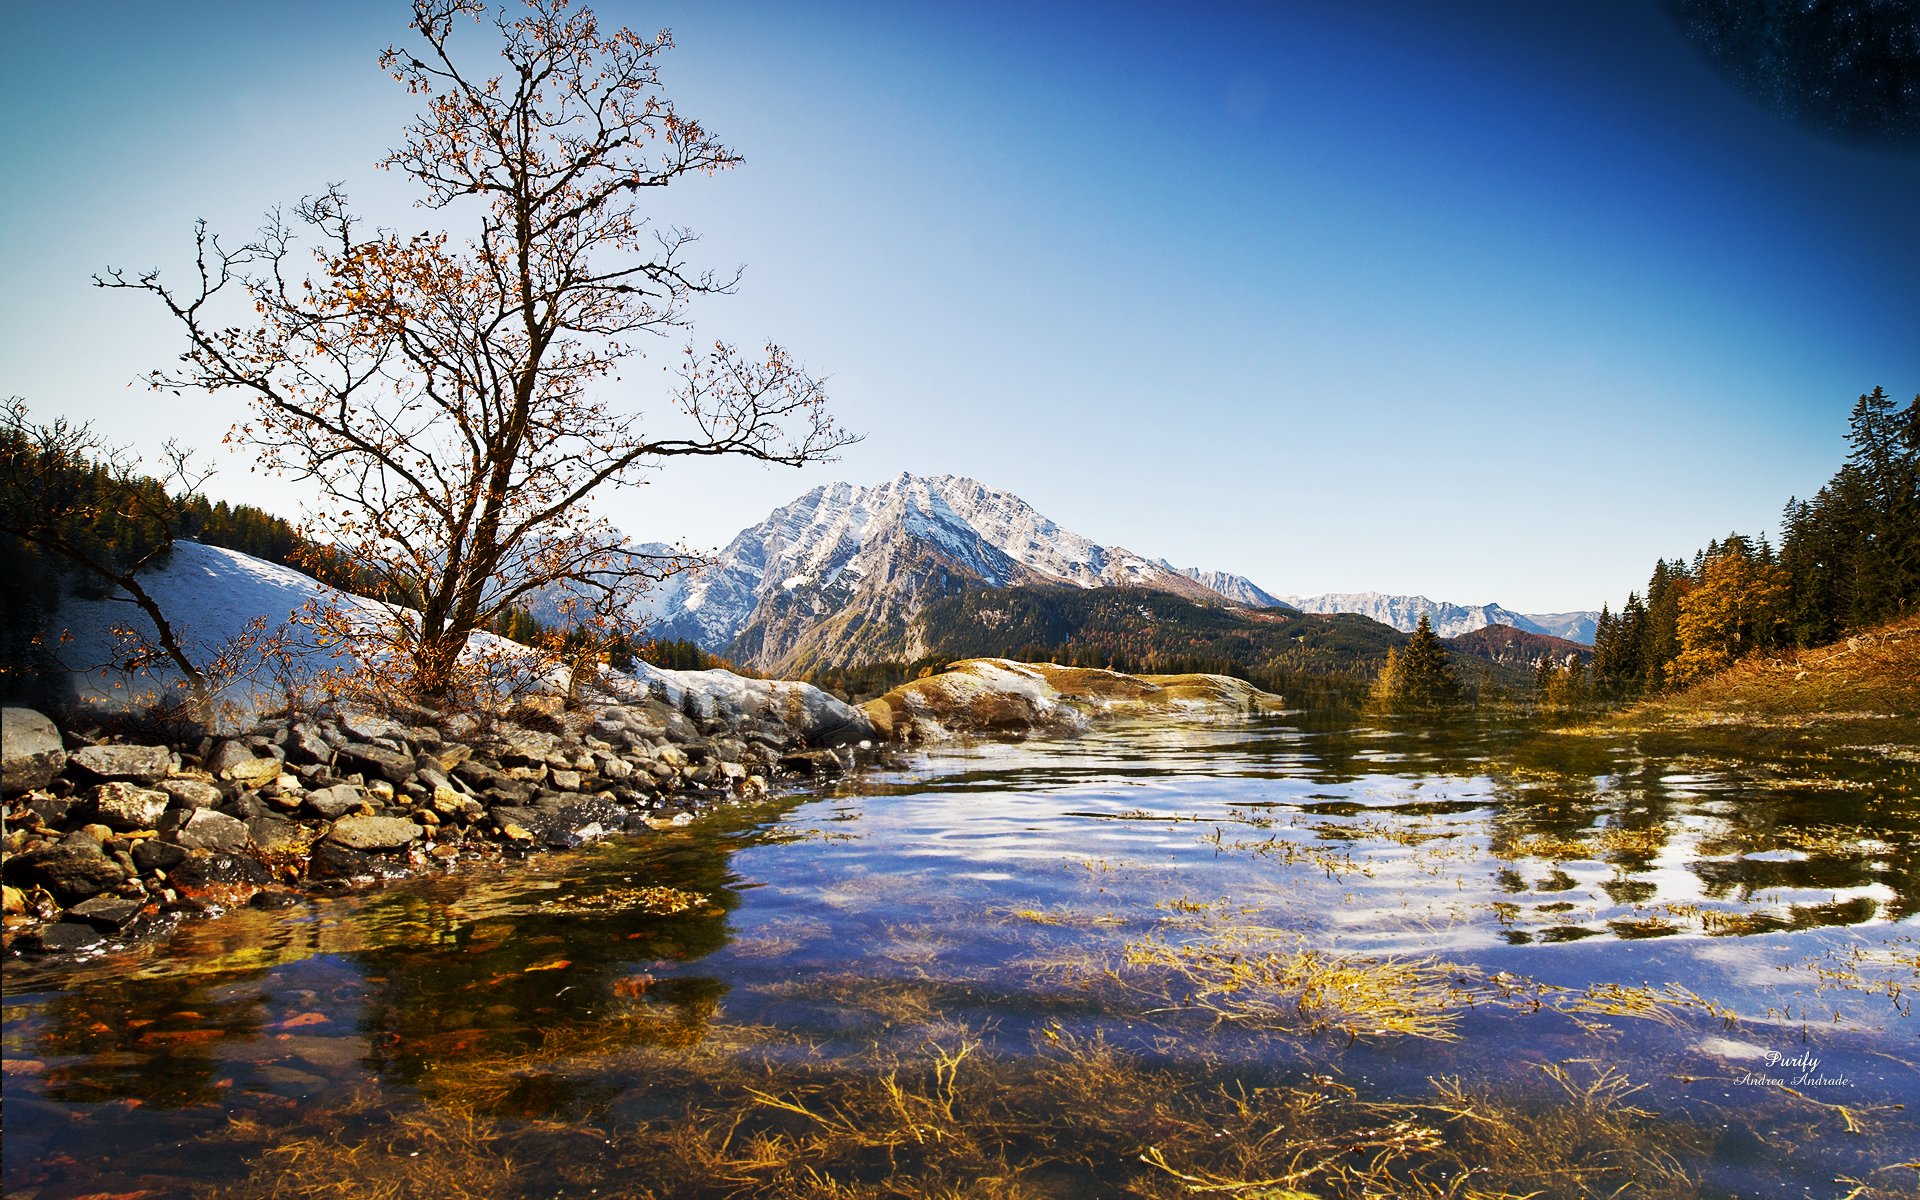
<point>1418,675</point>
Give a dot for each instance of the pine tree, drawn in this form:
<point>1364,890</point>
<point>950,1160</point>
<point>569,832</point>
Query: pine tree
<point>1417,676</point>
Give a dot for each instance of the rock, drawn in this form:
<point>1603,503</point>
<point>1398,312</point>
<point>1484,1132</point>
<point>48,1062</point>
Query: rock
<point>732,772</point>
<point>614,768</point>
<point>129,764</point>
<point>73,869</point>
<point>271,835</point>
<point>367,727</point>
<point>152,854</point>
<point>565,781</point>
<point>510,791</point>
<point>31,752</point>
<point>191,793</point>
<point>221,877</point>
<point>376,762</point>
<point>13,901</point>
<point>821,764</point>
<point>332,861</point>
<point>124,806</point>
<point>273,900</point>
<point>235,762</point>
<point>105,913</point>
<point>335,802</point>
<point>306,745</point>
<point>205,829</point>
<point>547,714</point>
<point>52,810</point>
<point>63,937</point>
<point>374,833</point>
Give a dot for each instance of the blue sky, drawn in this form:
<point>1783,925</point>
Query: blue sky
<point>1486,301</point>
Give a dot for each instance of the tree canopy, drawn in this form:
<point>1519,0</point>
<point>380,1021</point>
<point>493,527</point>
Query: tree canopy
<point>458,403</point>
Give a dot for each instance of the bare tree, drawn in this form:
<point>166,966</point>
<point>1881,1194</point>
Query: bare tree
<point>448,399</point>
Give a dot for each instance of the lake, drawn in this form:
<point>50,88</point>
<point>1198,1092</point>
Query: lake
<point>1275,959</point>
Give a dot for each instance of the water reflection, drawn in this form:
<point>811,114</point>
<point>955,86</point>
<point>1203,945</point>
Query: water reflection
<point>979,896</point>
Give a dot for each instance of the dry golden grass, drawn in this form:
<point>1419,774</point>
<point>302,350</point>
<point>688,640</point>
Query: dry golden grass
<point>1862,693</point>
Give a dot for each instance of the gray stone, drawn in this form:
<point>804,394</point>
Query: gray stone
<point>365,727</point>
<point>205,829</point>
<point>223,871</point>
<point>52,809</point>
<point>306,745</point>
<point>615,768</point>
<point>152,854</point>
<point>375,833</point>
<point>130,764</point>
<point>105,913</point>
<point>335,802</point>
<point>566,781</point>
<point>235,762</point>
<point>376,762</point>
<point>63,937</point>
<point>191,793</point>
<point>31,752</point>
<point>272,835</point>
<point>73,869</point>
<point>124,806</point>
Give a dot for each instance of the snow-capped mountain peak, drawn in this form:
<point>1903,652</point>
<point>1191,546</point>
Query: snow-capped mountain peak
<point>810,557</point>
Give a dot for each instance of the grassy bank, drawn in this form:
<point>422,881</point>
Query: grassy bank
<point>1858,697</point>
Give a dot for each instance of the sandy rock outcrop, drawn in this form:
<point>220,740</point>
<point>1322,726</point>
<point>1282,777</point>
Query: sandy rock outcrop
<point>998,697</point>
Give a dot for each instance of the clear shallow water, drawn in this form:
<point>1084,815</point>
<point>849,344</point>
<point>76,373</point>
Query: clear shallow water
<point>1145,962</point>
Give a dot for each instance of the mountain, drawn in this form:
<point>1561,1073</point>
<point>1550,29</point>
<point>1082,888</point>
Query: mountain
<point>1236,588</point>
<point>1449,620</point>
<point>1505,644</point>
<point>837,575</point>
<point>1573,626</point>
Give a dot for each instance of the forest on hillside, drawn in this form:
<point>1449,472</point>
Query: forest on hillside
<point>1848,559</point>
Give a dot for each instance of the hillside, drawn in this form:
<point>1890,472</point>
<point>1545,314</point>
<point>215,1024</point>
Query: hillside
<point>1505,644</point>
<point>1867,685</point>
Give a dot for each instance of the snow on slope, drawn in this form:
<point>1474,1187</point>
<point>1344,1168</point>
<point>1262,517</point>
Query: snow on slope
<point>823,542</point>
<point>1448,619</point>
<point>1237,588</point>
<point>210,595</point>
<point>1573,626</point>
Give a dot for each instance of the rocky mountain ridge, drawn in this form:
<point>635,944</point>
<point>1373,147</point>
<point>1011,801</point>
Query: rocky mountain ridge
<point>840,574</point>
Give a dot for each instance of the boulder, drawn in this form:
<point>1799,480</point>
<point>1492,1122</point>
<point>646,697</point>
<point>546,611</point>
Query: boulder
<point>123,806</point>
<point>221,878</point>
<point>235,762</point>
<point>31,752</point>
<point>127,764</point>
<point>368,727</point>
<point>375,833</point>
<point>217,832</point>
<point>105,913</point>
<point>73,869</point>
<point>152,854</point>
<point>51,809</point>
<point>274,836</point>
<point>305,745</point>
<point>332,803</point>
<point>375,761</point>
<point>191,793</point>
<point>63,937</point>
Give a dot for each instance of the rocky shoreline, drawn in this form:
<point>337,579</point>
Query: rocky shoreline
<point>111,838</point>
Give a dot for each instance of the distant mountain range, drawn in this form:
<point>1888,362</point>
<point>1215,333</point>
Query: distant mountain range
<point>843,575</point>
<point>1449,620</point>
